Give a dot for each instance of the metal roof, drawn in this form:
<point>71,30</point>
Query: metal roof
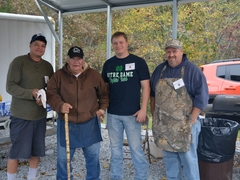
<point>83,6</point>
<point>64,7</point>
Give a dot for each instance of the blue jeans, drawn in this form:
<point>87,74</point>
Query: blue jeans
<point>91,155</point>
<point>174,161</point>
<point>116,125</point>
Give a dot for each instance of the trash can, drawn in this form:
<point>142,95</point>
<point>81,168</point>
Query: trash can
<point>216,148</point>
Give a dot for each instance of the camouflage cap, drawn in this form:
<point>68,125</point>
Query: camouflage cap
<point>174,44</point>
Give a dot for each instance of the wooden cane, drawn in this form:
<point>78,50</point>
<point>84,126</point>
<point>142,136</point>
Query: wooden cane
<point>67,145</point>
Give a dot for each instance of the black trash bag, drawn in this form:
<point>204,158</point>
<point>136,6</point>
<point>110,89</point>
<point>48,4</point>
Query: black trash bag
<point>217,140</point>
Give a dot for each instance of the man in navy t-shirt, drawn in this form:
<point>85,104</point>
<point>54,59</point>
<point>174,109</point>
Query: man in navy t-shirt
<point>126,75</point>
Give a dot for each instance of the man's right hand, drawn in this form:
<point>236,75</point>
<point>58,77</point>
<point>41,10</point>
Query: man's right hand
<point>65,108</point>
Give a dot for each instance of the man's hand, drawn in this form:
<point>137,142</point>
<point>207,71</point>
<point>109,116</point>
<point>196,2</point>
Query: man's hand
<point>34,93</point>
<point>194,115</point>
<point>140,115</point>
<point>100,114</point>
<point>65,108</point>
<point>39,102</point>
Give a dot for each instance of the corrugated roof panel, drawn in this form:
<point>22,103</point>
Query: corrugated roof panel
<point>73,6</point>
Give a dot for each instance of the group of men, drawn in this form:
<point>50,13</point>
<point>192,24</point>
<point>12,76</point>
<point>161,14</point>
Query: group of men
<point>177,89</point>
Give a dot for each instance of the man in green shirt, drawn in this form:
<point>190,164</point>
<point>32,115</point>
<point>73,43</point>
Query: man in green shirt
<point>25,78</point>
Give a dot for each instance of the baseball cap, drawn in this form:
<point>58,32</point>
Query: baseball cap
<point>39,37</point>
<point>174,44</point>
<point>75,52</point>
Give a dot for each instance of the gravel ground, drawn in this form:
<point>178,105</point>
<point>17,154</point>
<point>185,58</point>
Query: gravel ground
<point>47,166</point>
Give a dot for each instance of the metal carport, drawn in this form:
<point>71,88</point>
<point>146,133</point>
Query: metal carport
<point>65,7</point>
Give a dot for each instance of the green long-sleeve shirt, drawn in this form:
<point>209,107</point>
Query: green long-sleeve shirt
<point>23,76</point>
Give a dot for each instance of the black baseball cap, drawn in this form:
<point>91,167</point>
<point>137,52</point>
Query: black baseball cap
<point>39,37</point>
<point>75,52</point>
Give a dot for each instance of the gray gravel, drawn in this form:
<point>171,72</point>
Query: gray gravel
<point>47,166</point>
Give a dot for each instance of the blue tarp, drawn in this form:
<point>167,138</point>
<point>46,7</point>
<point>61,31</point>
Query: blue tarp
<point>5,108</point>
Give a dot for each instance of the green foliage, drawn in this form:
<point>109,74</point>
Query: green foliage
<point>146,29</point>
<point>208,30</point>
<point>88,32</point>
<point>212,21</point>
<point>5,6</point>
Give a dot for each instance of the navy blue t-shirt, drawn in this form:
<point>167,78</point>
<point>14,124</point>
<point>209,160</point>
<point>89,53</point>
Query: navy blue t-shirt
<point>123,77</point>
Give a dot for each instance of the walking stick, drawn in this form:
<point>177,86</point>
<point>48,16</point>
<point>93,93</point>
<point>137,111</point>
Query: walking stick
<point>67,145</point>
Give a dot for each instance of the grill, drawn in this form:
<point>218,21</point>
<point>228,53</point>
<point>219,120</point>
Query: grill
<point>224,106</point>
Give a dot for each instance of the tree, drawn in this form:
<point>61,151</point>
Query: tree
<point>208,30</point>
